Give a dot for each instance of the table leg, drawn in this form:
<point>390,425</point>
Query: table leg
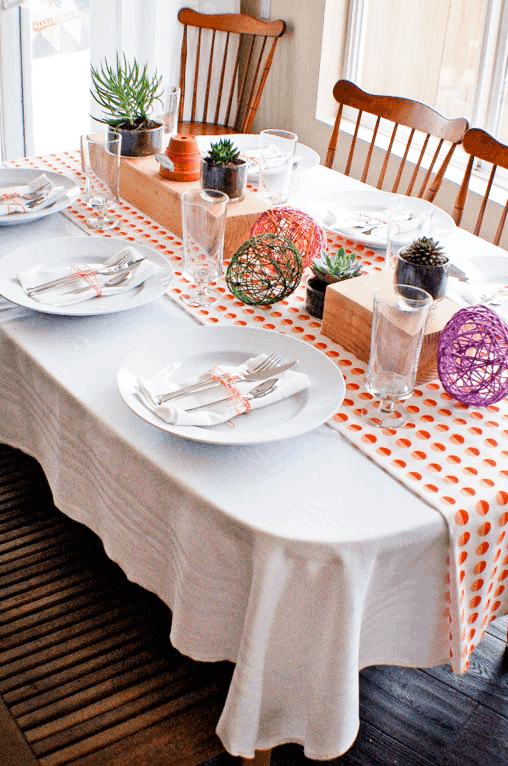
<point>262,758</point>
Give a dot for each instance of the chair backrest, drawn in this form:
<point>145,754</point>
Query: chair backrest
<point>225,61</point>
<point>482,146</point>
<point>439,136</point>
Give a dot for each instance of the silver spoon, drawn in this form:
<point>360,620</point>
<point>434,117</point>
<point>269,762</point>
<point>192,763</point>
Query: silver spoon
<point>264,388</point>
<point>119,280</point>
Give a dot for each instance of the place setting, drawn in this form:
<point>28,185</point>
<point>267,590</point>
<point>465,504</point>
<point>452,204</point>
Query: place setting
<point>364,216</point>
<point>230,385</point>
<point>27,195</point>
<point>302,157</point>
<point>83,276</point>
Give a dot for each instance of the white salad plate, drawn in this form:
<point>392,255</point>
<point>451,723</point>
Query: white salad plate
<point>338,212</point>
<point>20,176</point>
<point>187,353</point>
<point>66,251</point>
<point>305,157</point>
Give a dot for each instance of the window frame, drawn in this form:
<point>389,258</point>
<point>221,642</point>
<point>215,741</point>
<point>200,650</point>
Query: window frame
<point>491,84</point>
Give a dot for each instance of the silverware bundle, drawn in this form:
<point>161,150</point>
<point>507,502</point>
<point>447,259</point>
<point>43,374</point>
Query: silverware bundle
<point>121,268</point>
<point>269,368</point>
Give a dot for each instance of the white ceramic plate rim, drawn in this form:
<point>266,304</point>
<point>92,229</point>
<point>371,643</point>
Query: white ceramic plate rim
<point>442,226</point>
<point>309,158</point>
<point>199,347</point>
<point>494,268</point>
<point>25,176</point>
<point>80,249</point>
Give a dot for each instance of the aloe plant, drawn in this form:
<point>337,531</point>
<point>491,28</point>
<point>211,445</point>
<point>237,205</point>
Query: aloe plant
<point>223,152</point>
<point>126,93</point>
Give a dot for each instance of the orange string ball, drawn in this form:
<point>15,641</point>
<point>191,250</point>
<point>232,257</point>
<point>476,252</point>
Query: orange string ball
<point>306,235</point>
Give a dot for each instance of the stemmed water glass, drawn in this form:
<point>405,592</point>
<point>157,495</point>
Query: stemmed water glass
<point>398,325</point>
<point>100,153</point>
<point>203,226</point>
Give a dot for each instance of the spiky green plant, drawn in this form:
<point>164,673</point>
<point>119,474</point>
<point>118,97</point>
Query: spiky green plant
<point>223,152</point>
<point>126,93</point>
<point>425,251</point>
<point>336,268</point>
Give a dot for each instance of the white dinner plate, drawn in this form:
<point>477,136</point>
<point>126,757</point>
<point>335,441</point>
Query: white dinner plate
<point>305,157</point>
<point>65,251</point>
<point>494,268</point>
<point>19,176</point>
<point>329,209</point>
<point>190,352</point>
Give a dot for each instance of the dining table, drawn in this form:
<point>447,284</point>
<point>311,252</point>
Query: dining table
<point>302,559</point>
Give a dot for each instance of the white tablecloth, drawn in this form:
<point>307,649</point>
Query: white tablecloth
<point>301,561</point>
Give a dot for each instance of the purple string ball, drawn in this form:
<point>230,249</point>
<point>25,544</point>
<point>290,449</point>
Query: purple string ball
<point>472,357</point>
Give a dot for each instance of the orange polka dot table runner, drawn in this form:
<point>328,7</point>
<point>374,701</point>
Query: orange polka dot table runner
<point>453,456</point>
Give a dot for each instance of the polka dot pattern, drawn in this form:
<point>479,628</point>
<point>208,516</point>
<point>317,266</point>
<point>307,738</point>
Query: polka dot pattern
<point>453,456</point>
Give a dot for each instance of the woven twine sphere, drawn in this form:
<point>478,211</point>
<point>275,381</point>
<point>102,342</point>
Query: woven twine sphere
<point>264,270</point>
<point>472,357</point>
<point>306,235</point>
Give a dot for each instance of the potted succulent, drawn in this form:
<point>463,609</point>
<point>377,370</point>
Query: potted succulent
<point>326,271</point>
<point>423,264</point>
<point>224,170</point>
<point>126,94</point>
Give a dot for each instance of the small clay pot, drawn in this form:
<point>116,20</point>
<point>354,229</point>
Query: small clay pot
<point>431,278</point>
<point>182,159</point>
<point>230,179</point>
<point>315,296</point>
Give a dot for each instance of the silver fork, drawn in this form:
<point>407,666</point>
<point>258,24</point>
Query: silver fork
<point>271,362</point>
<point>125,262</point>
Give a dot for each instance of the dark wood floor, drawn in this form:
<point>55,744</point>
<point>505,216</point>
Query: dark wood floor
<point>88,676</point>
<point>427,717</point>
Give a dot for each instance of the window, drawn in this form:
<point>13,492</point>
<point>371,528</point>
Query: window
<point>60,64</point>
<point>451,54</point>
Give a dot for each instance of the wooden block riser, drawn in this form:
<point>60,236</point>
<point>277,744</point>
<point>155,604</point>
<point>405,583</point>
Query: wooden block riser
<point>347,319</point>
<point>142,185</point>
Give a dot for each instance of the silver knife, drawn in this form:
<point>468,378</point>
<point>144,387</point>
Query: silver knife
<point>206,384</point>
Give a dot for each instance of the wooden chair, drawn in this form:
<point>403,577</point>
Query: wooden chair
<point>413,118</point>
<point>482,146</point>
<point>225,60</point>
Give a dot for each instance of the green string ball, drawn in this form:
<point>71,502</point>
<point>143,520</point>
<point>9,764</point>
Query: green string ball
<point>264,270</point>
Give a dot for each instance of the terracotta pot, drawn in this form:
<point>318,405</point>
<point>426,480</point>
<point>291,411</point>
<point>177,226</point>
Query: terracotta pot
<point>141,142</point>
<point>182,160</point>
<point>230,179</point>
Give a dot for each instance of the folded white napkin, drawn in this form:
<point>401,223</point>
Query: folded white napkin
<point>9,192</point>
<point>173,412</point>
<point>273,157</point>
<point>344,220</point>
<point>84,288</point>
<point>476,293</point>
<point>12,198</point>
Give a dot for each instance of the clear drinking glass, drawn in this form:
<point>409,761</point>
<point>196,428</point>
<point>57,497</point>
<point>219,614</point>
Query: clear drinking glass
<point>404,227</point>
<point>277,154</point>
<point>171,109</point>
<point>398,325</point>
<point>100,156</point>
<point>203,226</point>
